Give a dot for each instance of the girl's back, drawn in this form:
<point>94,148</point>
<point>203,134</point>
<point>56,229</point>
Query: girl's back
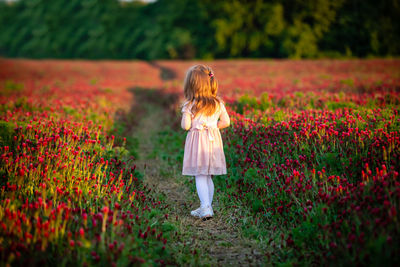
<point>201,119</point>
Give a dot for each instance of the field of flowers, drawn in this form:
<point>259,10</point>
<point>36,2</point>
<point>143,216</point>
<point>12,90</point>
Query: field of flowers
<point>328,178</point>
<point>318,167</point>
<point>314,158</point>
<point>69,190</point>
<point>313,155</point>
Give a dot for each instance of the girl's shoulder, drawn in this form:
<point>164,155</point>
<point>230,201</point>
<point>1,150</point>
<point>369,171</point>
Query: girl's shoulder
<point>186,107</point>
<point>221,104</point>
<point>220,107</point>
<point>187,103</point>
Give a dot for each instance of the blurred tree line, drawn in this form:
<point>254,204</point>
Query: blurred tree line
<point>199,28</point>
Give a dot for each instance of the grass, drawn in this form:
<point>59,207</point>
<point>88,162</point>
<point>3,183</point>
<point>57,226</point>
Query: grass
<point>216,242</point>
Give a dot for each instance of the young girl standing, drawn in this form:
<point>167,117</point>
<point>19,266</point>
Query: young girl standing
<point>203,114</point>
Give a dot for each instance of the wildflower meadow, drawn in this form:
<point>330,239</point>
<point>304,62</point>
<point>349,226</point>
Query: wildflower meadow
<point>313,155</point>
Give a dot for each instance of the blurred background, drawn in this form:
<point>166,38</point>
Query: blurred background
<point>199,29</point>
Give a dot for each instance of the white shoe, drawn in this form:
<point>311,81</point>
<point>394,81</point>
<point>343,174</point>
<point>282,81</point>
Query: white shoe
<point>199,212</point>
<point>206,213</point>
<point>212,211</point>
<point>196,212</point>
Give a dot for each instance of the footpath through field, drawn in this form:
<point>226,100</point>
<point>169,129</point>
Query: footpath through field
<point>214,242</point>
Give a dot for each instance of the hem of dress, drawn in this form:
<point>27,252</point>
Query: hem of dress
<point>203,171</point>
<point>194,174</point>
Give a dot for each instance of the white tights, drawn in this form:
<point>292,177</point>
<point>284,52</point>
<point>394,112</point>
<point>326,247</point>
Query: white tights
<point>205,189</point>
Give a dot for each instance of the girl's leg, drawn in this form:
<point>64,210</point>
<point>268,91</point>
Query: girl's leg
<point>210,184</point>
<point>202,190</point>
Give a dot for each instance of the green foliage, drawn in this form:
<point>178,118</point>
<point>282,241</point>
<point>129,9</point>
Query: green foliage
<point>245,27</point>
<point>332,105</point>
<point>131,143</point>
<point>104,29</point>
<point>279,116</point>
<point>261,103</point>
<point>172,143</point>
<point>198,29</point>
<point>168,227</point>
<point>6,133</point>
<point>349,82</point>
<point>305,233</point>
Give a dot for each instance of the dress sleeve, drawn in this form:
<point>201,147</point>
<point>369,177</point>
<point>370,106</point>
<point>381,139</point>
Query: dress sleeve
<point>224,120</point>
<point>186,108</point>
<point>186,122</point>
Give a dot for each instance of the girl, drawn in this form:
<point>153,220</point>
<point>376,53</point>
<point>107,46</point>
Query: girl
<point>203,114</point>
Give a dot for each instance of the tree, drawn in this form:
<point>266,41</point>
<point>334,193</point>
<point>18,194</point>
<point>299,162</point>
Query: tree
<point>244,28</point>
<point>199,28</point>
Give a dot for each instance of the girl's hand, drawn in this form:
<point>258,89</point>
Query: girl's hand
<point>224,120</point>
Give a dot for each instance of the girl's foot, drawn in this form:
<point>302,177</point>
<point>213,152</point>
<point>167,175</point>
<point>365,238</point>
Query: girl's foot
<point>196,212</point>
<point>206,213</point>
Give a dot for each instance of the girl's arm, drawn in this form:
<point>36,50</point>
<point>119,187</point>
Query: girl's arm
<point>224,120</point>
<point>186,122</point>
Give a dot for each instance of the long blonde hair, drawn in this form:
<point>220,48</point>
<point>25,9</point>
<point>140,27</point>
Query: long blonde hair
<point>200,88</point>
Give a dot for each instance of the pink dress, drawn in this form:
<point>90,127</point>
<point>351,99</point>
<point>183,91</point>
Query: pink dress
<point>204,153</point>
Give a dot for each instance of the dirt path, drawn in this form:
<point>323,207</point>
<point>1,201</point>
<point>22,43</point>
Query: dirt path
<point>219,243</point>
